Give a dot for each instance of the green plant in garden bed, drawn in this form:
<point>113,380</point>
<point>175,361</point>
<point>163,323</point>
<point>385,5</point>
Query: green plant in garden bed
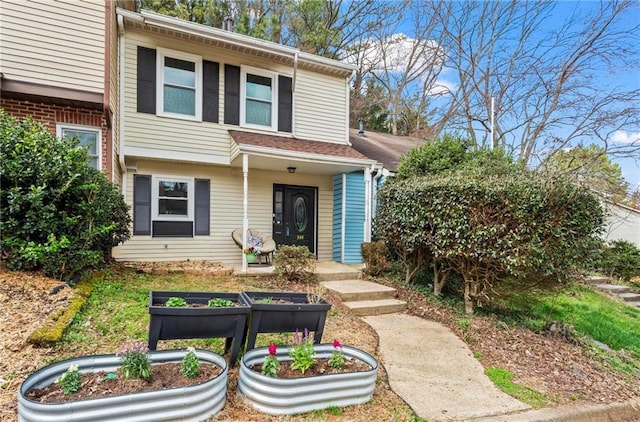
<point>216,302</point>
<point>176,302</point>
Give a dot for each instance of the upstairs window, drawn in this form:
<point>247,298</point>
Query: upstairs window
<point>258,104</point>
<point>88,136</point>
<point>179,84</point>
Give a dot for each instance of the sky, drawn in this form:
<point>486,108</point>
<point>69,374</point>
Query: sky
<point>629,77</point>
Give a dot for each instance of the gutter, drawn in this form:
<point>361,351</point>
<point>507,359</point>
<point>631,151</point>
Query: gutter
<point>121,63</point>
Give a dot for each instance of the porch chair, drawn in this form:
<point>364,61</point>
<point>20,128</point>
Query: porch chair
<point>265,245</point>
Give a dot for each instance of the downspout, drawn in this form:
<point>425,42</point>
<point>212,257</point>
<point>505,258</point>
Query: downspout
<point>348,95</point>
<point>293,94</point>
<point>106,98</point>
<point>374,192</point>
<point>121,57</point>
<point>343,220</point>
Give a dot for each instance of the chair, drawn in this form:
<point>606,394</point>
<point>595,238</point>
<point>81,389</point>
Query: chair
<point>265,245</point>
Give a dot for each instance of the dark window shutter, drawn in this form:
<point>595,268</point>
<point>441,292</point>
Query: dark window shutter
<point>285,103</point>
<point>146,80</point>
<point>231,95</point>
<point>141,204</point>
<point>202,207</point>
<point>210,81</point>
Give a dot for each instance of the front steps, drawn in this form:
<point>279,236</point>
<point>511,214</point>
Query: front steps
<point>365,298</point>
<point>622,292</point>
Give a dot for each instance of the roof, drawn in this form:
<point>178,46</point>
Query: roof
<point>295,146</point>
<point>383,147</point>
<point>190,31</point>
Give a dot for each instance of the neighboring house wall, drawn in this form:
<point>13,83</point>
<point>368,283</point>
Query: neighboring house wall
<point>622,223</point>
<point>348,217</point>
<point>54,68</point>
<point>225,213</point>
<point>53,115</point>
<point>51,43</point>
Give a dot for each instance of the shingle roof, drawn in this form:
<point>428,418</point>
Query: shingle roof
<point>295,144</point>
<point>383,147</point>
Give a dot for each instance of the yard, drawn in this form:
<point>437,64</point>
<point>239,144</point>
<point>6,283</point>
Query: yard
<point>560,371</point>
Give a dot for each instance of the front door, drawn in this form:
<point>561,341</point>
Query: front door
<point>294,215</point>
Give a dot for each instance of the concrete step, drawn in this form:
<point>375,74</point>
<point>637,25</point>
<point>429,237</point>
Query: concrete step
<point>634,303</point>
<point>376,307</point>
<point>596,279</point>
<point>333,274</point>
<point>629,297</point>
<point>613,288</point>
<point>355,290</point>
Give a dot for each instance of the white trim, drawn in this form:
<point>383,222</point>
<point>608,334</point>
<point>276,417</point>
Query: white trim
<point>155,192</point>
<point>343,212</point>
<point>247,70</point>
<point>61,127</point>
<point>163,154</point>
<point>197,60</point>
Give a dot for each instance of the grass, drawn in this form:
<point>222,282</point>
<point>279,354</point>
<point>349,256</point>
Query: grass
<point>503,379</point>
<point>591,314</point>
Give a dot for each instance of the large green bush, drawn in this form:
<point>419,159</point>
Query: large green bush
<point>58,214</point>
<point>489,227</point>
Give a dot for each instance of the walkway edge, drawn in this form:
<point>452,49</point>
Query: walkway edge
<point>573,413</point>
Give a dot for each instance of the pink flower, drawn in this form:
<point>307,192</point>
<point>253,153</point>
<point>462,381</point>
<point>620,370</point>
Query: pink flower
<point>336,344</point>
<point>272,349</point>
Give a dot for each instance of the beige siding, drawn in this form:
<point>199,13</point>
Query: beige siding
<point>320,100</point>
<point>57,43</point>
<point>321,107</point>
<point>226,214</point>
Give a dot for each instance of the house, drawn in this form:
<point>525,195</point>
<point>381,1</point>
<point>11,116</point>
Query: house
<point>355,193</point>
<point>57,64</point>
<point>205,130</point>
<point>621,222</point>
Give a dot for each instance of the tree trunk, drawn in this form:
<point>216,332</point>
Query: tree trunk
<point>468,301</point>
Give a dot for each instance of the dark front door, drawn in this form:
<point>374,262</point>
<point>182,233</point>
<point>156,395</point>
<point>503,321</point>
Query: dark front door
<point>294,216</point>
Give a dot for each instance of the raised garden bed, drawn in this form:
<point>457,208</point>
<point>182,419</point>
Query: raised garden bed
<point>200,320</point>
<point>285,312</point>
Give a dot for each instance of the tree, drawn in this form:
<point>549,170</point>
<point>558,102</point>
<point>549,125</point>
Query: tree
<point>58,214</point>
<point>545,82</point>
<point>589,166</point>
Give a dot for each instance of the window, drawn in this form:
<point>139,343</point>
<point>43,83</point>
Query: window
<point>179,84</point>
<point>172,198</point>
<point>258,104</point>
<point>88,136</point>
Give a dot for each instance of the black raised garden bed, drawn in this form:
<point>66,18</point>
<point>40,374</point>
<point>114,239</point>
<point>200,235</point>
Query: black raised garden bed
<point>169,323</point>
<point>285,312</point>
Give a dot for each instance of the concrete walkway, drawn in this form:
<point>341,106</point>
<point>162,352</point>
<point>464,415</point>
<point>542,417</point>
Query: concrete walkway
<point>435,372</point>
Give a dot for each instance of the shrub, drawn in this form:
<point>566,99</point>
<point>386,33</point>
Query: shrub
<point>58,214</point>
<point>374,255</point>
<point>489,228</point>
<point>620,259</point>
<point>295,263</point>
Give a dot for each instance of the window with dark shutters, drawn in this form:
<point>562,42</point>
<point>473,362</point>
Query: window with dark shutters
<point>210,94</point>
<point>141,204</point>
<point>146,80</point>
<point>285,103</point>
<point>231,95</point>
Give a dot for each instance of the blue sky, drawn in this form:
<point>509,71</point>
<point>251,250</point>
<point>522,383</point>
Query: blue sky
<point>606,76</point>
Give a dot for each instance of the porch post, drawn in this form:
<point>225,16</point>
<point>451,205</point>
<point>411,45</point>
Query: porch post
<point>245,207</point>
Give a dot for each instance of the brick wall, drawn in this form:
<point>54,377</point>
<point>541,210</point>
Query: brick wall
<point>51,114</point>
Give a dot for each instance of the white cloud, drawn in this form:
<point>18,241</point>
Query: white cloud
<point>624,137</point>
